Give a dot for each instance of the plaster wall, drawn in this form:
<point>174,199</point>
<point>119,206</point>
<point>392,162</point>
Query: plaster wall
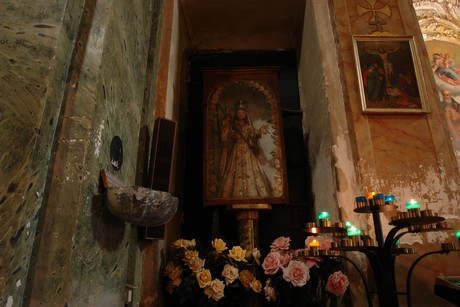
<point>410,156</point>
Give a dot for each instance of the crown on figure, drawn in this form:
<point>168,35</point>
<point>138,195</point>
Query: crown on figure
<point>242,104</point>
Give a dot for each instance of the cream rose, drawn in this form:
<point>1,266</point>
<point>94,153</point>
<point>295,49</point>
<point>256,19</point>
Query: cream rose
<point>237,253</point>
<point>190,255</point>
<point>181,243</point>
<point>219,245</point>
<point>196,264</point>
<point>256,286</point>
<point>215,290</point>
<point>255,253</point>
<point>204,278</point>
<point>230,273</point>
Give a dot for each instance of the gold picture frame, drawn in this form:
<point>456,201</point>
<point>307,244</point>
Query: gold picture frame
<point>244,159</point>
<point>389,75</point>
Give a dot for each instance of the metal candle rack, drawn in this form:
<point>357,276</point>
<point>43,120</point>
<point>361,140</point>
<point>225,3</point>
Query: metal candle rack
<point>382,256</point>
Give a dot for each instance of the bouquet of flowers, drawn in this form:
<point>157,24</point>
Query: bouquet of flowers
<point>296,279</point>
<point>195,276</point>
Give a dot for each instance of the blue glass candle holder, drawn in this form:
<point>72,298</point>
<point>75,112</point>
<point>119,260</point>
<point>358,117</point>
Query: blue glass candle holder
<point>379,199</point>
<point>361,201</point>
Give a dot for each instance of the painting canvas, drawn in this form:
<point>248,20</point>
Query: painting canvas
<point>446,73</point>
<point>244,151</point>
<point>389,75</point>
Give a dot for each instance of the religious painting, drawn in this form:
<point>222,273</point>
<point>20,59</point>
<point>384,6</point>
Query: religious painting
<point>244,159</point>
<point>446,73</point>
<point>390,79</point>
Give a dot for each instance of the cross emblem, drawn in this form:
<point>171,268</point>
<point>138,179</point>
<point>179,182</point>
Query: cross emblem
<point>375,19</point>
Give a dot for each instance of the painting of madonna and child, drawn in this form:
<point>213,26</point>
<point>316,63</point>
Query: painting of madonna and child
<point>389,76</point>
<point>244,155</point>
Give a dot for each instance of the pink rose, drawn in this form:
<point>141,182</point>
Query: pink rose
<point>337,283</point>
<point>311,262</point>
<point>270,293</point>
<point>285,258</point>
<point>272,263</point>
<point>297,273</point>
<point>325,243</point>
<point>281,243</point>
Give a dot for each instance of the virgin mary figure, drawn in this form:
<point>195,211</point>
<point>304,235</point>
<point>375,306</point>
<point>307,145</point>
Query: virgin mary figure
<point>240,170</point>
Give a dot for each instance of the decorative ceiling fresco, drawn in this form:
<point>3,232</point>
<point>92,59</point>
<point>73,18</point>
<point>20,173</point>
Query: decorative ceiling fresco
<point>439,19</point>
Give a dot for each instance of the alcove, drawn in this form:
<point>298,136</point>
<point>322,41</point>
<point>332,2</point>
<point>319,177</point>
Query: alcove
<point>244,35</point>
<point>217,221</point>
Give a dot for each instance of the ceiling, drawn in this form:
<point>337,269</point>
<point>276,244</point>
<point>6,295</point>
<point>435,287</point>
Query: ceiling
<point>243,25</point>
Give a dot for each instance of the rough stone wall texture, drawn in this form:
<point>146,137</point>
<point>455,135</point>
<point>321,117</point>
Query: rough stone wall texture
<point>72,77</point>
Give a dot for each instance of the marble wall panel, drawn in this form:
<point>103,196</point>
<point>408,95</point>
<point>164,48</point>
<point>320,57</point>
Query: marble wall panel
<point>72,77</point>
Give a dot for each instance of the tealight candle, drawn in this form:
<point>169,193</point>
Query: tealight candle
<point>389,199</point>
<point>353,231</point>
<point>370,198</point>
<point>314,247</point>
<point>412,204</point>
<point>361,201</point>
<point>314,243</point>
<point>324,219</point>
<point>379,199</point>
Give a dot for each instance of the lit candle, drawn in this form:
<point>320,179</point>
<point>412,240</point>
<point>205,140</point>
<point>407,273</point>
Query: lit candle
<point>389,199</point>
<point>314,243</point>
<point>314,247</point>
<point>457,234</point>
<point>348,224</point>
<point>370,198</point>
<point>412,204</point>
<point>353,231</point>
<point>324,219</point>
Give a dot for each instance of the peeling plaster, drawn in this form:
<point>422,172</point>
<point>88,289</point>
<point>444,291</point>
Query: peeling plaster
<point>411,239</point>
<point>437,237</point>
<point>98,140</point>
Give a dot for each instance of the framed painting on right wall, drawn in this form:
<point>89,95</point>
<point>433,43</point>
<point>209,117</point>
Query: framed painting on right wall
<point>389,74</point>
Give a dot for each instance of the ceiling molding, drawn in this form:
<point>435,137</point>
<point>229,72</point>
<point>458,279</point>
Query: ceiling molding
<point>439,19</point>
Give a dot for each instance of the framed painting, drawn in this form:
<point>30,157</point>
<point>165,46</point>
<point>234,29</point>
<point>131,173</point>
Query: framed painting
<point>244,160</point>
<point>389,75</point>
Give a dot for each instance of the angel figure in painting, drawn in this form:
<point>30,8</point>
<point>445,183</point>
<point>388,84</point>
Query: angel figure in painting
<point>240,169</point>
<point>443,68</point>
